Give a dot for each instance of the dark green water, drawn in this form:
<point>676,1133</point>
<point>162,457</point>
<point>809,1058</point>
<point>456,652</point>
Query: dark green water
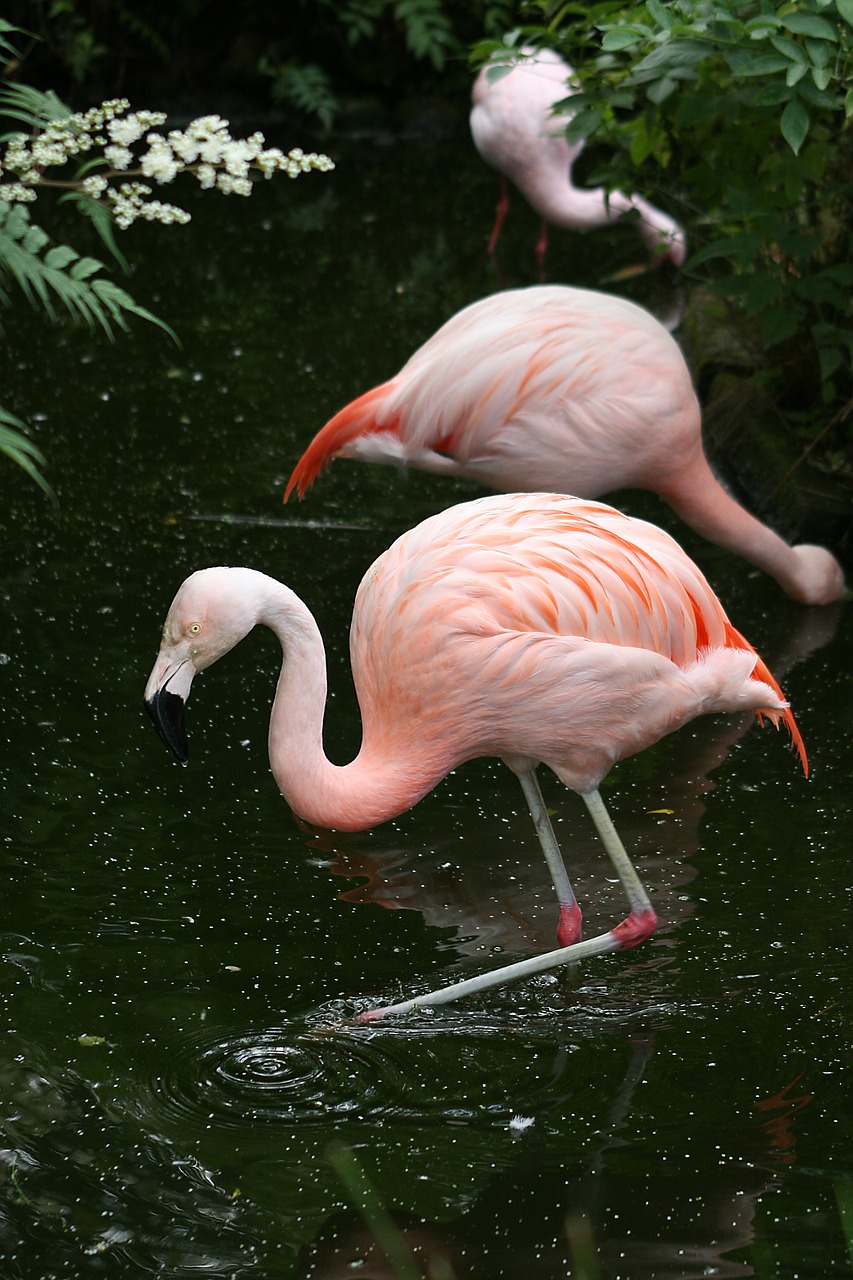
<point>176,949</point>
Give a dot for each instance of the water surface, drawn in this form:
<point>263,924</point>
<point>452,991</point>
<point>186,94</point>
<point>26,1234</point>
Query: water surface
<point>180,958</point>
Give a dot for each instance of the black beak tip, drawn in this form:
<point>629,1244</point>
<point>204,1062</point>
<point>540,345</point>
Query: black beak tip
<point>167,712</point>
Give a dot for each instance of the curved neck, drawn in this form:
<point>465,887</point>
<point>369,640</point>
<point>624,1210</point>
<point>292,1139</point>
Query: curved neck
<point>375,786</point>
<point>563,205</point>
<point>702,502</point>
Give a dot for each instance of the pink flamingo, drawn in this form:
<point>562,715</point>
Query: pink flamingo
<point>555,388</point>
<point>533,627</point>
<point>515,131</point>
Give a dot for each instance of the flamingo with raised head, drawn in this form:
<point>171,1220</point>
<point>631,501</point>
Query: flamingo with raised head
<point>538,628</point>
<point>516,132</point>
<point>555,388</point>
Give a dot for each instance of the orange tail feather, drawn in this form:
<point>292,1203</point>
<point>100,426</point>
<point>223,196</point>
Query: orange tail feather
<point>355,419</point>
<point>761,672</point>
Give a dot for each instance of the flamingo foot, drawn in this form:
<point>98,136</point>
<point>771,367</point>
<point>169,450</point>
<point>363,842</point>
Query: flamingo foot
<point>635,928</point>
<point>570,927</point>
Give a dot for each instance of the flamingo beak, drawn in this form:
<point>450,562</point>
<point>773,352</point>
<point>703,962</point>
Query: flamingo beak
<point>166,695</point>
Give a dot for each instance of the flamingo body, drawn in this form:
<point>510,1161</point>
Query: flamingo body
<point>516,132</point>
<point>557,388</point>
<point>533,627</point>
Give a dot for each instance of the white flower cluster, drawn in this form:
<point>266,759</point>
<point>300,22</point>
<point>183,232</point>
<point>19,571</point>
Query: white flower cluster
<point>130,201</point>
<point>205,149</point>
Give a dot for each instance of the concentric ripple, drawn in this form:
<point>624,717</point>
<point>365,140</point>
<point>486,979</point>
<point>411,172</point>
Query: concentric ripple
<point>270,1076</point>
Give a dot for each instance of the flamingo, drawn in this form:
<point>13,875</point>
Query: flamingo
<point>557,388</point>
<point>538,628</point>
<point>516,132</point>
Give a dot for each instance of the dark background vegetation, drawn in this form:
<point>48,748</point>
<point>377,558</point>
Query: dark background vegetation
<point>323,69</point>
<point>293,52</point>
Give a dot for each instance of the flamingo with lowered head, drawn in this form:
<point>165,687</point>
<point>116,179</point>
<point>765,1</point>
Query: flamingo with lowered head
<point>516,132</point>
<point>538,628</point>
<point>556,388</point>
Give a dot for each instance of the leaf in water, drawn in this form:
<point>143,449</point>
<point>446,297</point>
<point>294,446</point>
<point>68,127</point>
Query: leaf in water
<point>89,1042</point>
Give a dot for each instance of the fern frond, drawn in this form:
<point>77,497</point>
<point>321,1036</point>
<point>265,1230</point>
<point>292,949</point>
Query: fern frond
<point>7,49</point>
<point>307,87</point>
<point>119,303</point>
<point>46,275</point>
<point>428,29</point>
<point>101,219</point>
<point>32,107</point>
<point>16,446</point>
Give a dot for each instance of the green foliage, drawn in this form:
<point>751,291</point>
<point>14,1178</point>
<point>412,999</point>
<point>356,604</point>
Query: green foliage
<point>45,274</point>
<point>305,86</point>
<point>390,40</point>
<point>89,158</point>
<point>743,111</point>
<point>14,443</point>
<point>29,107</point>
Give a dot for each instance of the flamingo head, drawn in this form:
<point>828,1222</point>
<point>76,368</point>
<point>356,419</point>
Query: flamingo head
<point>213,610</point>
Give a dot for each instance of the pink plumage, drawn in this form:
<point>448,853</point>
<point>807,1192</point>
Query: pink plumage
<point>516,132</point>
<point>557,388</point>
<point>538,628</point>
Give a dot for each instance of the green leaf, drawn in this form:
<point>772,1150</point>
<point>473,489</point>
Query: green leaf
<point>831,359</point>
<point>780,323</point>
<point>809,24</point>
<point>759,28</point>
<point>31,106</point>
<point>582,125</point>
<point>788,48</point>
<point>817,97</point>
<point>117,301</point>
<point>622,38</point>
<point>763,64</point>
<point>60,257</point>
<point>498,71</point>
<point>772,94</point>
<point>661,90</point>
<point>845,8</point>
<point>60,274</point>
<point>99,215</point>
<point>794,124</point>
<point>741,247</point>
<point>22,451</point>
<point>85,267</point>
<point>661,13</point>
<point>819,52</point>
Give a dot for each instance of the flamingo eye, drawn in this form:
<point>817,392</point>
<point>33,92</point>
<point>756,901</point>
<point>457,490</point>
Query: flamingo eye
<point>194,628</point>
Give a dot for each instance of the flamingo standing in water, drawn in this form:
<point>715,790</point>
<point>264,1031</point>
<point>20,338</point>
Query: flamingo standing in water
<point>515,131</point>
<point>538,628</point>
<point>555,388</point>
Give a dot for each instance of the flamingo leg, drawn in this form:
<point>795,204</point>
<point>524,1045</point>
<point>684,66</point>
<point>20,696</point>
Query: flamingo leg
<point>642,921</point>
<point>638,925</point>
<point>500,214</point>
<point>569,927</point>
<point>541,250</point>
